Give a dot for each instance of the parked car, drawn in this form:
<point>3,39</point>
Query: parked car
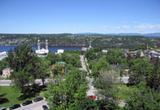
<point>45,107</point>
<point>38,99</point>
<point>3,108</point>
<point>27,102</point>
<point>15,106</point>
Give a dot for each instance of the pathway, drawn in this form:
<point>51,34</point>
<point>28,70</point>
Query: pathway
<point>91,90</point>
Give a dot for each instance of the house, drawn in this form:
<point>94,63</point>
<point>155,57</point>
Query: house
<point>3,55</point>
<point>153,53</point>
<point>133,54</point>
<point>60,51</point>
<point>104,51</point>
<point>125,79</point>
<point>6,72</point>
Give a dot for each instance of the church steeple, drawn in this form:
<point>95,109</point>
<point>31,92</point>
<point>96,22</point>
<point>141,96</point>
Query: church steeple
<point>46,44</point>
<point>38,44</point>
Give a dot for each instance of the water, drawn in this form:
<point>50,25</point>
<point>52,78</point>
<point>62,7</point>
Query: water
<point>51,49</point>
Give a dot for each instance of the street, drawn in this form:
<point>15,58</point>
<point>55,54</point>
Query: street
<point>9,82</point>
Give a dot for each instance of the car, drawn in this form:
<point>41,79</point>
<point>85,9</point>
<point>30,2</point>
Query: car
<point>15,106</point>
<point>27,102</point>
<point>3,108</point>
<point>45,107</point>
<point>38,99</point>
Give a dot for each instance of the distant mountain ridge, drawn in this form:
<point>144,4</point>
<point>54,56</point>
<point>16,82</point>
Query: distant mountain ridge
<point>152,35</point>
<point>155,35</point>
<point>125,34</point>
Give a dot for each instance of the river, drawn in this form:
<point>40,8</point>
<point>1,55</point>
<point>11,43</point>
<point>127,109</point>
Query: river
<point>51,48</point>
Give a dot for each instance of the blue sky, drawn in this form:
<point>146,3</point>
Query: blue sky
<point>77,16</point>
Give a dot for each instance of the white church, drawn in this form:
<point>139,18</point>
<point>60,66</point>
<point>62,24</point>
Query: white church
<point>42,52</point>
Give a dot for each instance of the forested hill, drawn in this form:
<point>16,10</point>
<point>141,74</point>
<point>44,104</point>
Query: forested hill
<point>67,39</point>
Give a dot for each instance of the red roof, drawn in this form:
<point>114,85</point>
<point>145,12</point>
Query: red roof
<point>93,97</point>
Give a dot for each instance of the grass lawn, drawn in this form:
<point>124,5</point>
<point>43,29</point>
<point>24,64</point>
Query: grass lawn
<point>12,94</point>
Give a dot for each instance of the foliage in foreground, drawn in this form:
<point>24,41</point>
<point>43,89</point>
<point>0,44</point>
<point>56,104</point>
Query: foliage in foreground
<point>144,98</point>
<point>69,92</point>
<point>27,67</point>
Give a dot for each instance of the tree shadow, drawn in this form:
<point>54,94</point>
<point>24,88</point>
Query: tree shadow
<point>31,91</point>
<point>3,99</point>
<point>2,95</point>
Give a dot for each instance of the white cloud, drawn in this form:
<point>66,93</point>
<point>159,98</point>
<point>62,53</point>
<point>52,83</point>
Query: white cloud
<point>145,28</point>
<point>134,28</point>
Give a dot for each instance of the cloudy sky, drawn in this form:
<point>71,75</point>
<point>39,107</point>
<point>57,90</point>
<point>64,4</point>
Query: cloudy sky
<point>79,16</point>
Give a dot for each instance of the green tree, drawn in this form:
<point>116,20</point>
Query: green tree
<point>26,66</point>
<point>143,99</point>
<point>153,80</point>
<point>3,64</point>
<point>93,54</point>
<point>71,58</point>
<point>22,80</point>
<point>42,69</point>
<point>115,56</point>
<point>99,65</point>
<point>53,58</point>
<point>20,57</point>
<point>140,70</point>
<point>69,92</point>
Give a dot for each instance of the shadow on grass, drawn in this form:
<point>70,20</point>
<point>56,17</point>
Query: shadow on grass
<point>31,91</point>
<point>3,99</point>
<point>2,95</point>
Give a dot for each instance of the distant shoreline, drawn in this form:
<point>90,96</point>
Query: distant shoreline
<point>51,48</point>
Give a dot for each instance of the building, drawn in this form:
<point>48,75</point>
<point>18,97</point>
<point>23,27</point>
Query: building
<point>153,54</point>
<point>3,55</point>
<point>60,51</point>
<point>133,54</point>
<point>42,52</point>
<point>104,51</point>
<point>6,72</point>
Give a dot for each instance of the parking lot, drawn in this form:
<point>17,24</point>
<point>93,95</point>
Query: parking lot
<point>33,106</point>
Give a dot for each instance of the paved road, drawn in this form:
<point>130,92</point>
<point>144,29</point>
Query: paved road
<point>5,82</point>
<point>10,83</point>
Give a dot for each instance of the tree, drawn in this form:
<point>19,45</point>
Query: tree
<point>153,80</point>
<point>3,64</point>
<point>115,56</point>
<point>140,70</point>
<point>99,65</point>
<point>20,57</point>
<point>143,99</point>
<point>105,82</point>
<point>69,92</point>
<point>53,58</point>
<point>22,80</point>
<point>71,58</point>
<point>42,70</point>
<point>26,66</point>
<point>93,54</point>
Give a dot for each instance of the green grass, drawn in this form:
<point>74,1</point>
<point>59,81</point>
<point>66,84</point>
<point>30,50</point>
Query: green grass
<point>12,94</point>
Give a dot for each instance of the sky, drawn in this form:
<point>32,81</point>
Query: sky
<point>79,16</point>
